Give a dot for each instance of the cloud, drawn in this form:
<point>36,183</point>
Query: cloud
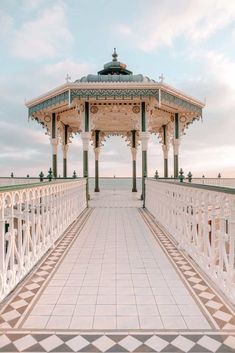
<point>216,80</point>
<point>6,22</point>
<point>123,29</point>
<point>160,24</point>
<point>47,36</point>
<point>46,77</point>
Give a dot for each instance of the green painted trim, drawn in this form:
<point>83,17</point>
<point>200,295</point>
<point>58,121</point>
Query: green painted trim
<point>176,125</point>
<point>143,117</point>
<point>53,126</point>
<point>134,188</point>
<point>113,93</point>
<point>97,189</point>
<point>197,186</point>
<point>87,123</point>
<point>33,185</point>
<point>171,99</point>
<point>66,134</point>
<point>165,167</point>
<point>65,167</point>
<point>97,138</point>
<point>133,138</point>
<point>62,97</point>
<point>54,165</point>
<point>144,174</point>
<point>164,134</point>
<point>85,164</point>
<point>176,166</point>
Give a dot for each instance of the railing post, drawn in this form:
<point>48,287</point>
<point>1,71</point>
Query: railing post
<point>87,191</point>
<point>144,188</point>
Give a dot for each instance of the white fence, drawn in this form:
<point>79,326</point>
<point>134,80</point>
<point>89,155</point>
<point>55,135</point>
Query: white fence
<point>202,221</point>
<point>32,218</point>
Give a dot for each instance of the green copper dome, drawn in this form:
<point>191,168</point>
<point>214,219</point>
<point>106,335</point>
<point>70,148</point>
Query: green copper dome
<point>114,67</point>
<point>114,71</point>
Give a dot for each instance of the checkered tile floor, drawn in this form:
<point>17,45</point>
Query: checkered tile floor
<point>116,342</point>
<point>171,308</point>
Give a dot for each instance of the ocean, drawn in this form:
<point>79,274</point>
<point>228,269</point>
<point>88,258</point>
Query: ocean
<point>115,183</point>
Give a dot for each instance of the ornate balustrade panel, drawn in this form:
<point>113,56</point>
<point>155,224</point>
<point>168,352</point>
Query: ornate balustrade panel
<point>202,222</point>
<point>31,220</point>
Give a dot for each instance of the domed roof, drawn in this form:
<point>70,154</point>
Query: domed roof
<point>114,71</point>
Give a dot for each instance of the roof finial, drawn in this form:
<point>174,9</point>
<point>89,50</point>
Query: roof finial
<point>114,55</point>
<point>161,78</point>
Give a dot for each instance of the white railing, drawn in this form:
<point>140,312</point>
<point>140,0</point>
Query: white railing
<point>4,181</point>
<point>201,219</point>
<point>32,218</point>
<point>223,182</point>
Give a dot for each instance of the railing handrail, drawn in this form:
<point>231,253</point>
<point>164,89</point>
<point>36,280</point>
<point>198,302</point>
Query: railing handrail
<point>222,189</point>
<point>14,187</point>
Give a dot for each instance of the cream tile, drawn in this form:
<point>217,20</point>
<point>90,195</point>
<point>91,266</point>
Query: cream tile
<point>63,310</point>
<point>35,322</point>
<point>131,322</point>
<point>45,309</point>
<point>81,322</point>
<point>126,310</point>
<point>104,322</point>
<point>59,322</point>
<point>84,310</point>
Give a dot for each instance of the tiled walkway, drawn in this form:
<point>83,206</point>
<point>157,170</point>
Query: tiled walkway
<point>110,274</point>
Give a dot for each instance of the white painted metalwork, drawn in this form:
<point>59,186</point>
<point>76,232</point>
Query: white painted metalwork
<point>32,218</point>
<point>202,222</point>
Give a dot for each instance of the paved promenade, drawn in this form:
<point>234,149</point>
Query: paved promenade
<point>116,283</point>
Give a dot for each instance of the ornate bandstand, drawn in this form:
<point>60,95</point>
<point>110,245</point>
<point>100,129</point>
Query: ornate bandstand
<point>115,102</point>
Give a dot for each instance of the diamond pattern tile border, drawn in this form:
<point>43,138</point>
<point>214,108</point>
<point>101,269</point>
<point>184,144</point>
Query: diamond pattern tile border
<point>19,303</point>
<point>120,342</point>
<point>220,314</point>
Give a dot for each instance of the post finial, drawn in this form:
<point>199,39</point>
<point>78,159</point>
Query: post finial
<point>114,55</point>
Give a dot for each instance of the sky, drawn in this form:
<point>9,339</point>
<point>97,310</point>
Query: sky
<point>192,42</point>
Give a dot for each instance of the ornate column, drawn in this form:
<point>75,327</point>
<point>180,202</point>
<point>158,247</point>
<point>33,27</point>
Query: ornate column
<point>65,150</point>
<point>54,143</point>
<point>144,144</point>
<point>165,150</point>
<point>97,154</point>
<point>134,153</point>
<point>176,143</point>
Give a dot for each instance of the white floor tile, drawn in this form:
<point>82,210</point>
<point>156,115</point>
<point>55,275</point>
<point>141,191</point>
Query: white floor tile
<point>105,310</point>
<point>56,322</point>
<point>104,322</point>
<point>173,322</point>
<point>147,310</point>
<point>126,310</point>
<point>81,322</point>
